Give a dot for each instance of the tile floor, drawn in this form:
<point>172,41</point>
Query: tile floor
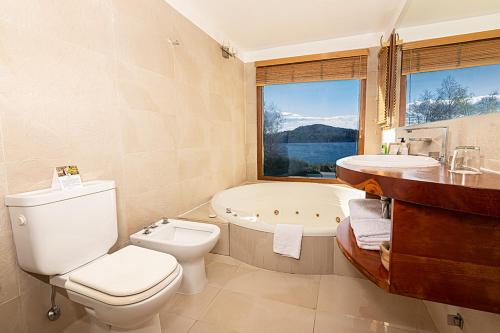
<point>243,298</point>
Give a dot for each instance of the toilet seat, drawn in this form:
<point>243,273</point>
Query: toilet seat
<point>127,276</point>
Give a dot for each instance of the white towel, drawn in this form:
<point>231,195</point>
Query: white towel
<point>365,209</point>
<point>288,240</point>
<point>370,233</point>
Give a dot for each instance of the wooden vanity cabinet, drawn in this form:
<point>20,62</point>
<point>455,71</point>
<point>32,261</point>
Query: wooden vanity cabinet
<point>445,242</point>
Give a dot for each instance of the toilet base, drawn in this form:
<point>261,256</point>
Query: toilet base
<point>194,280</point>
<point>150,326</point>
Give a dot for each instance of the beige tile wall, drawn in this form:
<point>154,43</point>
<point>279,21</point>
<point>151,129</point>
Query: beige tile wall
<point>482,131</point>
<point>98,84</point>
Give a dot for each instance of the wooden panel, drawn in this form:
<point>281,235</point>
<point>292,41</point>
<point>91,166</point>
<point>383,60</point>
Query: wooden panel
<point>362,117</point>
<point>445,242</point>
<point>260,134</point>
<point>477,194</point>
<point>446,281</point>
<point>312,57</point>
<point>445,234</point>
<point>402,102</point>
<point>367,262</point>
<point>312,71</point>
<point>452,56</point>
<point>452,39</point>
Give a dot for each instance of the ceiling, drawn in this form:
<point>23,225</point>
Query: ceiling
<point>267,29</point>
<point>421,12</point>
<point>260,24</point>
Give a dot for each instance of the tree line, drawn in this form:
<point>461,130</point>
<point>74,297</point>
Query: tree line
<point>450,100</point>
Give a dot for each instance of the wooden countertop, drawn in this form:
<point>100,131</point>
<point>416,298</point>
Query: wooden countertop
<point>431,186</point>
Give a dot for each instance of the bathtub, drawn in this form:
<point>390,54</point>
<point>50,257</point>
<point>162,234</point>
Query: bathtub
<point>252,212</point>
<point>319,207</point>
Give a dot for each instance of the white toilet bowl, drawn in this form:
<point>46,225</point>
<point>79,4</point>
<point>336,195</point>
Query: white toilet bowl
<point>66,234</point>
<point>124,291</point>
<point>188,242</point>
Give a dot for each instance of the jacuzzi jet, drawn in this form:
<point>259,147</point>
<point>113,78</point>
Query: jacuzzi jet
<point>297,212</point>
<point>276,212</point>
<point>317,214</point>
<point>337,219</point>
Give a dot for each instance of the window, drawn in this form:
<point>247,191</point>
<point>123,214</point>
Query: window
<point>450,81</point>
<point>454,93</point>
<point>305,123</point>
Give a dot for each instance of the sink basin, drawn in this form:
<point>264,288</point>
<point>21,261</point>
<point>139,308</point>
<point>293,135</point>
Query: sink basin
<point>390,161</point>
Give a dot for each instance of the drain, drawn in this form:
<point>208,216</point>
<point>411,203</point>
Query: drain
<point>276,212</point>
<point>297,212</point>
<point>317,214</point>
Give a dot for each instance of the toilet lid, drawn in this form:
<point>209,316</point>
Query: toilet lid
<point>129,271</point>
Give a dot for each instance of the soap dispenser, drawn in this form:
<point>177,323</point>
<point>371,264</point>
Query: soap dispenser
<point>403,149</point>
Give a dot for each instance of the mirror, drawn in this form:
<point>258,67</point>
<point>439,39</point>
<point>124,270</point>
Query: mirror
<point>450,60</point>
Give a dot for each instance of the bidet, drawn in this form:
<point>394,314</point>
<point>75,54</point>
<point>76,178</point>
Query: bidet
<point>188,242</point>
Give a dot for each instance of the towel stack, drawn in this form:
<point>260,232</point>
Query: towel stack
<point>368,224</point>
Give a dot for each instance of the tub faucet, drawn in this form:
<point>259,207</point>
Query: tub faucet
<point>386,207</point>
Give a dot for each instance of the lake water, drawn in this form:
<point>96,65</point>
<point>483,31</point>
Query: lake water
<point>316,153</point>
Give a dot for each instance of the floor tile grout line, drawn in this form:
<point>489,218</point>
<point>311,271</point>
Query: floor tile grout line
<point>192,325</point>
<point>314,321</point>
<point>204,312</point>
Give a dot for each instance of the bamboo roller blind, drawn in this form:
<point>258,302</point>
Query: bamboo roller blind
<point>383,78</point>
<point>459,55</point>
<point>310,71</point>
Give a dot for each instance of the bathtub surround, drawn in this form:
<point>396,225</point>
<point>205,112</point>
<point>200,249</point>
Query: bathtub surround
<point>255,248</point>
<point>322,255</point>
<point>99,85</point>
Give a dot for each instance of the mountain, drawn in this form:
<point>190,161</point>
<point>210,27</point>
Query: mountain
<point>316,133</point>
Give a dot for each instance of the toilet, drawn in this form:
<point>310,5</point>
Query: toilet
<point>67,234</point>
<point>187,241</point>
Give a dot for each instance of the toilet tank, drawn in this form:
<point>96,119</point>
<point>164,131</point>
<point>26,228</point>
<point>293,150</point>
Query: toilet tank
<point>56,231</point>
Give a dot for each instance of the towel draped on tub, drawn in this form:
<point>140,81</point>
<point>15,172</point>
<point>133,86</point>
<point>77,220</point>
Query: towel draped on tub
<point>288,240</point>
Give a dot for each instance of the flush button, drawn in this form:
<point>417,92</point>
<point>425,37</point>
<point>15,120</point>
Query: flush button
<point>21,220</point>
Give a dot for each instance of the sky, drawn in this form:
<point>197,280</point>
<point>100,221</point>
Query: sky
<point>334,103</point>
<point>480,81</point>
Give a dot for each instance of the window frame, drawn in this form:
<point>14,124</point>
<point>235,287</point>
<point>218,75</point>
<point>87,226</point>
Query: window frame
<point>260,140</point>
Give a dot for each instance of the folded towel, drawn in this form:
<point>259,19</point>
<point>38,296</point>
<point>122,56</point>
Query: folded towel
<point>365,208</point>
<point>370,233</point>
<point>368,246</point>
<point>370,228</point>
<point>288,240</point>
